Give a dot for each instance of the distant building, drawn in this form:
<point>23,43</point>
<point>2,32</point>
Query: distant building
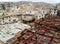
<point>53,12</point>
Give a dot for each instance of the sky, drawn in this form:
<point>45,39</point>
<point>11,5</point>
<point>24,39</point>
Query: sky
<point>48,1</point>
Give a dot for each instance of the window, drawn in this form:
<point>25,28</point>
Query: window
<point>43,11</point>
<point>39,16</point>
<point>24,16</point>
<point>36,16</point>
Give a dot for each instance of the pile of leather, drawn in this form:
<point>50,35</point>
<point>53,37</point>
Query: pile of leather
<point>45,31</point>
